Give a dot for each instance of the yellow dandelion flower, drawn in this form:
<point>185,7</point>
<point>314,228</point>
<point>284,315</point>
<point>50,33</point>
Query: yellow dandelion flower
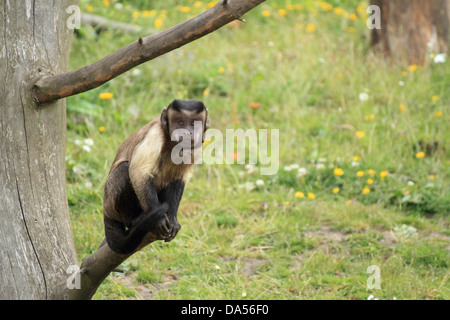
<point>106,3</point>
<point>404,73</point>
<point>360,134</point>
<point>431,176</point>
<point>402,107</point>
<point>198,4</point>
<point>158,23</point>
<point>101,129</point>
<point>282,12</point>
<point>206,92</point>
<point>311,195</point>
<point>353,17</point>
<point>412,68</point>
<point>420,155</point>
<point>371,172</point>
<point>136,14</point>
<point>360,173</point>
<point>310,27</point>
<point>338,11</point>
<point>360,8</point>
<point>266,13</point>
<point>435,98</point>
<point>286,203</point>
<point>326,6</point>
<point>338,171</point>
<point>366,190</point>
<point>148,13</point>
<point>438,114</point>
<point>221,70</point>
<point>349,201</point>
<point>90,9</point>
<point>336,190</point>
<point>384,174</point>
<point>299,194</point>
<point>185,9</point>
<point>369,181</point>
<point>106,96</point>
<point>356,158</point>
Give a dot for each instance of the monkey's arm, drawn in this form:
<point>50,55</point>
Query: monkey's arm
<point>143,164</point>
<point>172,195</point>
<point>147,195</point>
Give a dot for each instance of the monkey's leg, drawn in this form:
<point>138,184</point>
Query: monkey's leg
<point>172,195</point>
<point>126,224</point>
<point>124,241</point>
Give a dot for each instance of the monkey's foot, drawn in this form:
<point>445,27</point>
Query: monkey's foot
<point>175,227</point>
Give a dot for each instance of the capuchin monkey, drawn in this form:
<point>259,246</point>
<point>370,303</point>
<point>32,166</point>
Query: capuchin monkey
<point>144,186</point>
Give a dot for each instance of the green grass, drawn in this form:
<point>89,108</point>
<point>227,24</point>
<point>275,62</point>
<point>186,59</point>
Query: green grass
<point>265,242</point>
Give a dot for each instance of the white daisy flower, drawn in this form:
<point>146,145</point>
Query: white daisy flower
<point>89,142</point>
<point>440,58</point>
<point>363,96</point>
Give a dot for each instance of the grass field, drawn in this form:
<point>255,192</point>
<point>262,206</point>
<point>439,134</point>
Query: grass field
<point>364,158</point>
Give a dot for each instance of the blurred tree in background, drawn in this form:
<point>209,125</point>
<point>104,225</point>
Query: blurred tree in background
<point>412,28</point>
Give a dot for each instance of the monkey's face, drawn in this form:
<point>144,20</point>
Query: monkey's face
<point>185,122</point>
<point>187,129</point>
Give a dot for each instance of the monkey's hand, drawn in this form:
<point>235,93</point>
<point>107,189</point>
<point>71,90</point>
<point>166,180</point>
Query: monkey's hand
<point>174,228</point>
<point>154,221</point>
<point>162,226</point>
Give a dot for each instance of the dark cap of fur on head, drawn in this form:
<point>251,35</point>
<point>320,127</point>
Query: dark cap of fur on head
<point>189,105</point>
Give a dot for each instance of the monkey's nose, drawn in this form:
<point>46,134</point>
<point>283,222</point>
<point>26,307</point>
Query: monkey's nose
<point>184,138</point>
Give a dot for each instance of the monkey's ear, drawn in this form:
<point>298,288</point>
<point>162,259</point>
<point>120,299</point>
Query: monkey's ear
<point>207,119</point>
<point>206,124</point>
<point>165,120</point>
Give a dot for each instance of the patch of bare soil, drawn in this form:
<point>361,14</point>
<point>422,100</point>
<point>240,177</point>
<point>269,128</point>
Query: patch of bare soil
<point>326,234</point>
<point>252,265</point>
<point>145,291</point>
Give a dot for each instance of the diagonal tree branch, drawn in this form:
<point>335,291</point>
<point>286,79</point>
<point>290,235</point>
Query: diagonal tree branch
<point>101,24</point>
<point>59,86</point>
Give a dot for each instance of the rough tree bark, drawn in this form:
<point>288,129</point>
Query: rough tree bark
<point>410,28</point>
<point>36,244</point>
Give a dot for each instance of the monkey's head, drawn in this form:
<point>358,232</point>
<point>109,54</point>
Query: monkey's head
<point>185,120</point>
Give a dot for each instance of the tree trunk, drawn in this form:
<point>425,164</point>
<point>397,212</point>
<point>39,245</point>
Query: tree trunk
<point>36,244</point>
<point>412,28</point>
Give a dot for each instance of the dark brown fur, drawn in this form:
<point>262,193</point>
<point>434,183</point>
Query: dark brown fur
<point>144,186</point>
